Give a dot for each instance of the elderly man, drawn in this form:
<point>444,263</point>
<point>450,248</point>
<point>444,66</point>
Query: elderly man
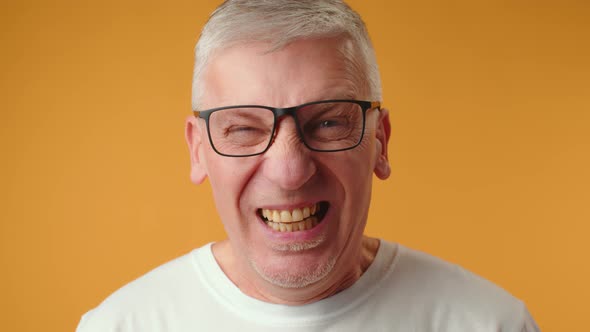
<point>289,130</point>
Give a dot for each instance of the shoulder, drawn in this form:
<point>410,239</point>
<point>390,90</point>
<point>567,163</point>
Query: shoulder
<point>438,277</point>
<point>157,293</point>
<point>445,294</point>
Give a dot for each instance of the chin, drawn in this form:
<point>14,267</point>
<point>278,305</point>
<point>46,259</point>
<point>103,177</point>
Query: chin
<point>294,272</point>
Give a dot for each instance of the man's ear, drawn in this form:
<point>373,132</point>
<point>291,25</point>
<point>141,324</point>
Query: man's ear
<point>193,135</point>
<point>382,168</point>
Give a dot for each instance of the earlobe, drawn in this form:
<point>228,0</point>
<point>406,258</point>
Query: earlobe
<point>382,167</point>
<point>193,138</point>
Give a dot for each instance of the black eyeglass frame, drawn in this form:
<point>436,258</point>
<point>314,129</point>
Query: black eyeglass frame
<point>279,112</point>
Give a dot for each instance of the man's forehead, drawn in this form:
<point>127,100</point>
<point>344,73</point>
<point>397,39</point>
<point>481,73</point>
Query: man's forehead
<point>304,49</point>
<point>312,69</point>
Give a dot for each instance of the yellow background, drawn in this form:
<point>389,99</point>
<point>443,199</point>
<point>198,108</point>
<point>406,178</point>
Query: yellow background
<point>490,147</point>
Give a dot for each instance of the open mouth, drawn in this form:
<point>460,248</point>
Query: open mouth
<point>299,219</point>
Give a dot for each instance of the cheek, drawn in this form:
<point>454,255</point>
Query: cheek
<point>371,148</point>
<point>229,178</point>
<point>357,178</point>
<point>354,175</point>
<point>365,156</point>
<point>224,177</point>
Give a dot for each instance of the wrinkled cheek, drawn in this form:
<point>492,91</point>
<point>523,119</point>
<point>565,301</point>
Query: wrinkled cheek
<point>225,187</point>
<point>364,185</point>
<point>229,179</point>
<point>229,175</point>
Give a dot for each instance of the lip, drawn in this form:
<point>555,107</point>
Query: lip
<point>298,236</point>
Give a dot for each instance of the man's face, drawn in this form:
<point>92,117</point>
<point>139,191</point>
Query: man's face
<point>289,178</point>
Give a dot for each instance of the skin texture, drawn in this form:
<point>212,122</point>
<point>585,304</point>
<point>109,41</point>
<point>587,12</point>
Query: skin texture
<point>289,175</point>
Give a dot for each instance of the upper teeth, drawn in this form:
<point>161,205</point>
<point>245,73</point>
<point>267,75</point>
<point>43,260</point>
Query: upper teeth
<point>286,216</point>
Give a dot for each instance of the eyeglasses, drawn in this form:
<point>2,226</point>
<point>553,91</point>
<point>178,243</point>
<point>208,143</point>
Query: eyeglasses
<point>324,126</point>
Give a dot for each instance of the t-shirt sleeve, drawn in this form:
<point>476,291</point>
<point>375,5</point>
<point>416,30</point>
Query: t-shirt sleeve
<point>89,323</point>
<point>82,327</point>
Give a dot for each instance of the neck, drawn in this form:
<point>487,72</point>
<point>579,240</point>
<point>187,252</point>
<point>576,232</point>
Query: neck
<point>243,276</point>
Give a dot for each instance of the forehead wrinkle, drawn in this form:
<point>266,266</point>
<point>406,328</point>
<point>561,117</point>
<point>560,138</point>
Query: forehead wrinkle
<point>353,67</point>
<point>339,81</point>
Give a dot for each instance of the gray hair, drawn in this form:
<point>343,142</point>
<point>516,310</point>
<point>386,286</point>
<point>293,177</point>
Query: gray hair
<point>280,22</point>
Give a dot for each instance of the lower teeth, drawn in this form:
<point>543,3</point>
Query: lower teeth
<point>303,225</point>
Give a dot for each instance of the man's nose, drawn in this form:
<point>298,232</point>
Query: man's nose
<point>288,162</point>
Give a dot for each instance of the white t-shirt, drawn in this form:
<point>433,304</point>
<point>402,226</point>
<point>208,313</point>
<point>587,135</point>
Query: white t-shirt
<point>402,290</point>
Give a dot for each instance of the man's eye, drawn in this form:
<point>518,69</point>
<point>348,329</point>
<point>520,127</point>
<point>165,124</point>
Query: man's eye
<point>245,132</point>
<point>328,129</point>
<point>330,123</point>
<point>243,135</point>
<point>243,129</point>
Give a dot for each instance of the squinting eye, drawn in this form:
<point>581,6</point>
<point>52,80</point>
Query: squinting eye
<point>241,128</point>
<point>242,136</point>
<point>245,130</point>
